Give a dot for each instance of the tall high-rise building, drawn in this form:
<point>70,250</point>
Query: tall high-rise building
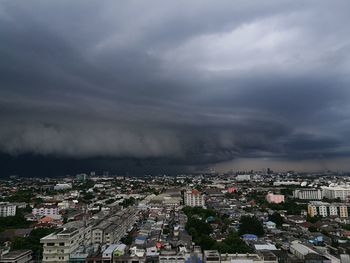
<point>194,198</point>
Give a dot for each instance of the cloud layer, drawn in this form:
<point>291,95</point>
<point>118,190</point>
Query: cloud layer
<point>200,81</point>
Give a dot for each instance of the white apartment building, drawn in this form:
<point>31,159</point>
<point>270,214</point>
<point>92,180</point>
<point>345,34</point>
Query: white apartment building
<point>243,177</point>
<point>7,209</point>
<point>45,210</point>
<point>338,191</point>
<point>213,256</point>
<point>194,198</point>
<point>59,245</point>
<point>17,256</point>
<point>308,194</point>
<point>62,186</point>
<point>174,258</point>
<point>328,209</point>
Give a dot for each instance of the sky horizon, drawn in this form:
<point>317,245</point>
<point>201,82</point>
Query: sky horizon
<point>185,84</point>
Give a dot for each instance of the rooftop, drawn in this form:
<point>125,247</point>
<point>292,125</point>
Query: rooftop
<point>15,254</point>
<point>304,250</point>
<point>110,249</point>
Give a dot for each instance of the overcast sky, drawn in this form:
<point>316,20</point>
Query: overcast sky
<point>197,81</point>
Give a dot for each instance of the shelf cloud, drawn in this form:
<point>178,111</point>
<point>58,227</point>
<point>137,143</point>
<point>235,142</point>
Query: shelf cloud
<point>197,81</point>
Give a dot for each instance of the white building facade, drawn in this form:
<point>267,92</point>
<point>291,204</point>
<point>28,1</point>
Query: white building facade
<point>194,198</point>
<point>58,246</point>
<point>308,194</point>
<point>7,209</point>
<point>333,192</point>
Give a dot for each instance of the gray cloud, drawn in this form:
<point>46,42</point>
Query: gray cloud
<point>200,81</point>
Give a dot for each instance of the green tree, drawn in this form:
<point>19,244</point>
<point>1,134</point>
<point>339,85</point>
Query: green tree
<point>32,241</point>
<point>20,196</point>
<point>235,244</point>
<point>222,247</point>
<point>313,229</point>
<point>290,206</point>
<point>205,242</point>
<point>313,219</point>
<point>128,202</point>
<point>127,240</point>
<point>17,221</point>
<point>198,227</point>
<point>199,211</point>
<point>250,225</point>
<point>346,226</point>
<point>277,219</point>
<point>201,231</point>
<point>110,201</point>
<point>89,196</point>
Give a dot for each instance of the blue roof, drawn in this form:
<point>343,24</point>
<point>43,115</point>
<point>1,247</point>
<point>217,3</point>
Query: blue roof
<point>210,218</point>
<point>110,249</point>
<point>249,236</point>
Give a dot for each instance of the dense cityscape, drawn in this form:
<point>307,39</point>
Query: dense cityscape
<point>235,217</point>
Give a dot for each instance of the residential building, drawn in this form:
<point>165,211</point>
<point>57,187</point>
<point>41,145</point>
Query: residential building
<point>172,258</point>
<point>7,209</point>
<point>328,209</point>
<point>308,194</point>
<point>270,225</point>
<point>82,177</point>
<point>120,250</point>
<point>339,191</point>
<point>45,209</point>
<point>261,257</point>
<point>62,186</point>
<point>194,198</point>
<point>107,254</point>
<point>20,204</point>
<point>17,256</point>
<point>231,189</point>
<point>344,258</point>
<point>59,245</point>
<point>276,199</point>
<point>104,233</point>
<point>112,230</point>
<point>213,256</point>
<point>243,177</point>
<point>308,255</point>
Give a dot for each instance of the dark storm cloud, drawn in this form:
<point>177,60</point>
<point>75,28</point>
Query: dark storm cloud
<point>200,81</point>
